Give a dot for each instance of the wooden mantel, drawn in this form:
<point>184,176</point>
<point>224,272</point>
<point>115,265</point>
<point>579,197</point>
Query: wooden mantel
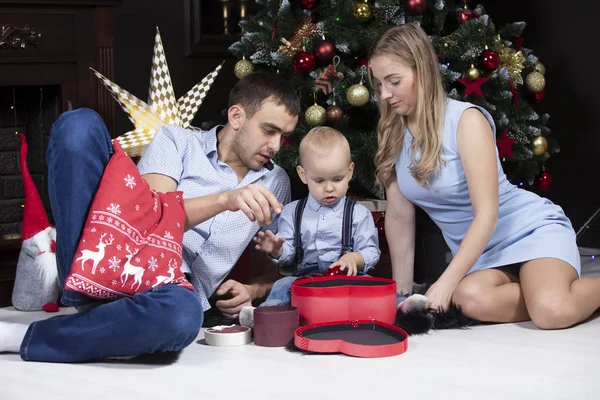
<point>54,42</point>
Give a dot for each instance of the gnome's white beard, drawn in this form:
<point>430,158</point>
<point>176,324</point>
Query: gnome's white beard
<point>39,248</point>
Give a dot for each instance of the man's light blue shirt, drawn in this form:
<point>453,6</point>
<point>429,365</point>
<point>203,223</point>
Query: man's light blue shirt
<point>211,249</point>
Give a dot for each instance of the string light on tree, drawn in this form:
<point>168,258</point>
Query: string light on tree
<point>380,224</point>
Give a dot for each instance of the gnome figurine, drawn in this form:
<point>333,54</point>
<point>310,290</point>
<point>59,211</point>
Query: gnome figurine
<point>36,282</point>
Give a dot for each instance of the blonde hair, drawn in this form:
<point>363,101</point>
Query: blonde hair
<point>410,45</point>
<point>323,139</point>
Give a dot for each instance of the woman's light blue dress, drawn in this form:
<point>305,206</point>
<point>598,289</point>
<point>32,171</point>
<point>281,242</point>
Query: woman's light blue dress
<point>529,226</point>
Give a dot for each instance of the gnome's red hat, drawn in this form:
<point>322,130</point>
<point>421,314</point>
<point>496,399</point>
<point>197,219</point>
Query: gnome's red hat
<point>35,219</point>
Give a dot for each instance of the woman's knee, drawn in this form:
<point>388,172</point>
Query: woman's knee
<point>552,312</point>
<point>473,299</point>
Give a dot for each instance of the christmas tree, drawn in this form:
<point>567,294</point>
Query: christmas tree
<point>321,47</point>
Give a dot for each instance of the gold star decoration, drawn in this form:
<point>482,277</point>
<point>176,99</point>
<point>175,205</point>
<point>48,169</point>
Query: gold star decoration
<point>162,108</point>
<point>513,61</point>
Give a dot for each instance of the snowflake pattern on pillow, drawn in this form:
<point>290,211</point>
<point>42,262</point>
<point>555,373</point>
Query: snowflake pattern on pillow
<point>132,237</point>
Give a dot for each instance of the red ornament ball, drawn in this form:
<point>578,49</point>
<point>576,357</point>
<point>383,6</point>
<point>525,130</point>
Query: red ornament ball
<point>544,181</point>
<point>325,51</point>
<point>539,96</point>
<point>489,60</point>
<point>304,62</point>
<point>465,15</point>
<point>360,61</point>
<point>335,271</point>
<point>415,7</point>
<point>309,4</point>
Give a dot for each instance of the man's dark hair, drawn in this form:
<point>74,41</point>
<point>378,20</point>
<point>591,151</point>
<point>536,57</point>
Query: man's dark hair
<point>252,90</point>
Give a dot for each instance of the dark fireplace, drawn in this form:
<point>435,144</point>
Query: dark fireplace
<point>30,110</point>
<point>46,50</point>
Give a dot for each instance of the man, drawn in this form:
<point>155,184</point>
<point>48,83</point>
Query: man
<point>230,186</point>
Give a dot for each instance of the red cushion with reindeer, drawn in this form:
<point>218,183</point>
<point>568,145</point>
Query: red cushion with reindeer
<point>131,241</point>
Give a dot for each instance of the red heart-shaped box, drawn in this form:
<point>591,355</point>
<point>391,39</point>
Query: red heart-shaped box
<point>354,338</point>
<point>343,298</point>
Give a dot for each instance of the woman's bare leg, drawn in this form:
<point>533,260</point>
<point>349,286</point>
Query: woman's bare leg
<point>491,295</point>
<point>556,298</point>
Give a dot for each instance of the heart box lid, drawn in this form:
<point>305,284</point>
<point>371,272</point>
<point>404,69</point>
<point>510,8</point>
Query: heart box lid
<point>363,338</point>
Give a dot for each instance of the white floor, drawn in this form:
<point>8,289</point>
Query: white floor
<point>509,361</point>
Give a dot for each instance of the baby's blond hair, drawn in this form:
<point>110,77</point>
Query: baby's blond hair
<point>322,139</point>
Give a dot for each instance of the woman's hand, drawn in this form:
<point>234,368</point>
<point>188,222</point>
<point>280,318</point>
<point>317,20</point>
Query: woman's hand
<point>439,295</point>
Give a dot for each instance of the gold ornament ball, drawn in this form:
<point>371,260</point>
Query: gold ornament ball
<point>472,73</point>
<point>315,115</point>
<point>358,95</point>
<point>243,68</point>
<point>539,67</point>
<point>535,82</point>
<point>539,145</point>
<point>362,11</point>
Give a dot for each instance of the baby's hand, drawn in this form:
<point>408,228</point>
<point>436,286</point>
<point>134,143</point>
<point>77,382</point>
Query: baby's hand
<point>347,263</point>
<point>269,243</point>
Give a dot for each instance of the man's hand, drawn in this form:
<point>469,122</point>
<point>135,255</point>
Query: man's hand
<point>350,263</point>
<point>241,295</point>
<point>269,243</point>
<point>254,200</point>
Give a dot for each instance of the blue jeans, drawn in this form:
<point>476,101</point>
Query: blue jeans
<point>281,295</point>
<point>166,318</point>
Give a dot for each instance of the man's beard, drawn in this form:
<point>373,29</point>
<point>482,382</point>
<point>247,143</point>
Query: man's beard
<point>241,150</point>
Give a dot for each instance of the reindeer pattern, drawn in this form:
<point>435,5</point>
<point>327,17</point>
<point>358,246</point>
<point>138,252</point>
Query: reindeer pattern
<point>162,279</point>
<point>132,239</point>
<point>95,256</point>
<point>129,269</point>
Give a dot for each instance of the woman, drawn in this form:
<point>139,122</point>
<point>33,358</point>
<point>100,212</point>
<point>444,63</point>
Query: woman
<point>515,255</point>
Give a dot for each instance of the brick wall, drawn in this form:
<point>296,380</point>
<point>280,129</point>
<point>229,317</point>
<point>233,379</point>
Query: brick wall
<point>36,109</point>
